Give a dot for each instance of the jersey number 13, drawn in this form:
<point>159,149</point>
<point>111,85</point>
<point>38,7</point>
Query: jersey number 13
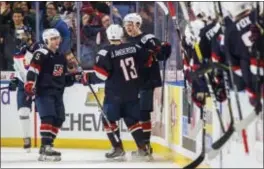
<point>128,68</point>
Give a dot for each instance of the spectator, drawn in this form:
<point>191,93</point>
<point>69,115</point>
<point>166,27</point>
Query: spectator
<point>54,21</point>
<point>67,13</point>
<point>16,5</point>
<point>88,41</point>
<point>29,15</point>
<point>5,13</point>
<point>147,14</point>
<point>15,36</point>
<point>101,38</point>
<point>5,19</point>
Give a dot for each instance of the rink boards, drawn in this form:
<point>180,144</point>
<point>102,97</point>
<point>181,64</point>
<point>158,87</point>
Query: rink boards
<point>83,126</point>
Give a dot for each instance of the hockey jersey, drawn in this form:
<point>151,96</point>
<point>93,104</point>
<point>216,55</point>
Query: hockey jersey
<point>48,70</point>
<point>22,60</point>
<point>121,67</point>
<point>151,76</point>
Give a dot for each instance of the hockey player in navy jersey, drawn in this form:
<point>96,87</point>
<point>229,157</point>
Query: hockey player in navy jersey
<point>151,76</point>
<point>47,79</point>
<point>238,42</point>
<point>120,66</point>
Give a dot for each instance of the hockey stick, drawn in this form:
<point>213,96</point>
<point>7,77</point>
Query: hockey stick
<point>173,15</point>
<point>201,157</point>
<point>193,133</point>
<point>166,12</point>
<point>100,106</point>
<point>244,135</point>
<point>218,145</point>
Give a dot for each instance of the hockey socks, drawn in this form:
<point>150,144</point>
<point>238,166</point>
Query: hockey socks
<point>111,131</point>
<point>48,133</point>
<point>138,135</point>
<point>146,127</point>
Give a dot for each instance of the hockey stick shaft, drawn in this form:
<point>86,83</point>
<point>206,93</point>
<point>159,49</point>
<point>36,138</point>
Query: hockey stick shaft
<point>100,106</point>
<point>103,113</point>
<point>234,85</point>
<point>166,12</point>
<point>201,157</point>
<point>173,15</point>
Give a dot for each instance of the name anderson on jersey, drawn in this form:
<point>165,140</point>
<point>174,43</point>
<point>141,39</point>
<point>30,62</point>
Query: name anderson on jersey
<point>125,51</point>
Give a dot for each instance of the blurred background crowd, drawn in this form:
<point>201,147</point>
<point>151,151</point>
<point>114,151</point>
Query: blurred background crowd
<point>82,26</point>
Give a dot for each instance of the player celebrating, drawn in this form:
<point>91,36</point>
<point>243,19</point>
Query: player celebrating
<point>120,66</point>
<point>46,79</point>
<point>151,76</point>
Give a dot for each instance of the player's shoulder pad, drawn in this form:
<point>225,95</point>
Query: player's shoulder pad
<point>42,51</point>
<point>103,52</point>
<point>147,37</point>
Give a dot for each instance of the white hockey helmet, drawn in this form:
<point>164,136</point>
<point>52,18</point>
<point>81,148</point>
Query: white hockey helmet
<point>197,8</point>
<point>236,8</point>
<point>50,33</point>
<point>135,18</point>
<point>204,9</point>
<point>209,10</point>
<point>197,25</point>
<point>189,38</point>
<point>114,32</point>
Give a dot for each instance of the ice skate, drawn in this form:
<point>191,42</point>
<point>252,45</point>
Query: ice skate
<point>142,154</point>
<point>117,154</point>
<point>48,154</point>
<point>27,144</point>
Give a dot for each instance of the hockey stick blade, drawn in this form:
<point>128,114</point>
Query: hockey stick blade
<point>245,122</point>
<point>219,144</point>
<point>193,133</point>
<point>196,162</point>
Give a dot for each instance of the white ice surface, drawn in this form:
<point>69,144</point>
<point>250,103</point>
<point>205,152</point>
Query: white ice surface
<point>18,158</point>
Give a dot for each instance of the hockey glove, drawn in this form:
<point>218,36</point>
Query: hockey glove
<point>84,78</point>
<point>166,49</point>
<point>198,99</point>
<point>255,33</point>
<point>13,84</point>
<point>29,88</point>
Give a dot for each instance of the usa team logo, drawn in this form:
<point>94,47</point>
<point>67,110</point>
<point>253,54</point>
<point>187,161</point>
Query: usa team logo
<point>58,70</point>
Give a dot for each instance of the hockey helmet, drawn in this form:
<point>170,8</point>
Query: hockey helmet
<point>114,32</point>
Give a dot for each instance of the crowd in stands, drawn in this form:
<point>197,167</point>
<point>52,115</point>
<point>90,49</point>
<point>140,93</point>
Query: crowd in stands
<point>18,26</point>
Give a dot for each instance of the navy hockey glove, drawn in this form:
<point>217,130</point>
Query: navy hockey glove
<point>13,84</point>
<point>166,49</point>
<point>255,33</point>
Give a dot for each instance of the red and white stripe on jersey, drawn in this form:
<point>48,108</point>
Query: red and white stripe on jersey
<point>34,68</point>
<point>237,70</point>
<point>135,127</point>
<point>254,65</point>
<point>48,128</point>
<point>111,128</point>
<point>215,57</point>
<point>100,72</point>
<point>251,93</point>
